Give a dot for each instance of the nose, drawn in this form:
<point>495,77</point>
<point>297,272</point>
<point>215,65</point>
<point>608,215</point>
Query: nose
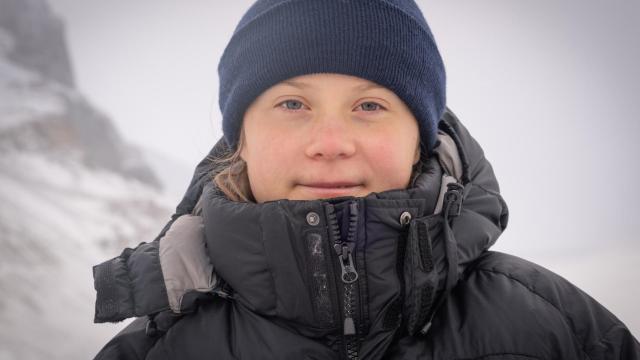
<point>330,138</point>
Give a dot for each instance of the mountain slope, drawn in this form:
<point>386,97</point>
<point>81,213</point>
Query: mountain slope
<point>73,193</point>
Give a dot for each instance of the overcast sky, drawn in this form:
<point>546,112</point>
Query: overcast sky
<point>550,89</point>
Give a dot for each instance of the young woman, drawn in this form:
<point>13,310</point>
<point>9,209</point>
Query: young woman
<point>347,213</point>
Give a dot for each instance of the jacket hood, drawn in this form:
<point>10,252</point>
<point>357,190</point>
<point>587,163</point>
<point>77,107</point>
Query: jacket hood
<point>410,247</point>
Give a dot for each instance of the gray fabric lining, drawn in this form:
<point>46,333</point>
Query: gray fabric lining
<point>450,162</point>
<point>448,155</point>
<point>446,179</point>
<point>184,260</point>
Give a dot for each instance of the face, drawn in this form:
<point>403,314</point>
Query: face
<point>321,136</point>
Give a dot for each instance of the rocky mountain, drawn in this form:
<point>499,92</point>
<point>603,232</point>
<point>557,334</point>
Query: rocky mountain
<point>73,193</point>
<point>39,40</point>
<point>41,110</point>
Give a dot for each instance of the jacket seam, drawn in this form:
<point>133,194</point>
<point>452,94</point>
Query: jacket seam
<point>606,333</point>
<point>503,204</point>
<point>269,268</point>
<point>494,193</point>
<point>564,317</point>
<point>131,284</point>
<point>163,287</point>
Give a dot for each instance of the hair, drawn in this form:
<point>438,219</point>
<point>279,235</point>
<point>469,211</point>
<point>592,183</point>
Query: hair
<point>233,178</point>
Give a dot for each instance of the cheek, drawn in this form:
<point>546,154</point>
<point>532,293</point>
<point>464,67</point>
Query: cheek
<point>391,162</point>
<point>265,161</point>
<point>268,164</point>
<point>260,140</point>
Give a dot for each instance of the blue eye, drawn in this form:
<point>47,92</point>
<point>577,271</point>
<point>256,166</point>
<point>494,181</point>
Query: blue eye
<point>370,106</point>
<point>291,105</point>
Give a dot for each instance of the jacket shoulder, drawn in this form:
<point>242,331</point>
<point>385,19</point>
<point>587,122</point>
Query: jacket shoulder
<point>527,287</point>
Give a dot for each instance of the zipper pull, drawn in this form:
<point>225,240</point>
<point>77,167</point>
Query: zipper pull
<point>349,326</point>
<point>454,196</point>
<point>349,273</point>
<point>349,276</point>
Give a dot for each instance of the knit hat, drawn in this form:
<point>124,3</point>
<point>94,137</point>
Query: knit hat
<point>384,41</point>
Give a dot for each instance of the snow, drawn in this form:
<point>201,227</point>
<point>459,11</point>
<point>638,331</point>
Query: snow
<point>58,219</point>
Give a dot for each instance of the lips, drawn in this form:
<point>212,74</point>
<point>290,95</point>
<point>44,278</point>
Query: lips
<point>332,185</point>
<point>331,189</point>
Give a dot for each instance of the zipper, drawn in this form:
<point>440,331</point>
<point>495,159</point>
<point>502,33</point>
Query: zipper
<point>348,275</point>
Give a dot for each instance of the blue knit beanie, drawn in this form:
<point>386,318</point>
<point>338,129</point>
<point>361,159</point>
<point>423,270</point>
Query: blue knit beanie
<point>384,41</point>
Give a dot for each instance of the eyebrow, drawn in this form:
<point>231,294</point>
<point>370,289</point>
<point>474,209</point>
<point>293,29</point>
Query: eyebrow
<point>363,87</point>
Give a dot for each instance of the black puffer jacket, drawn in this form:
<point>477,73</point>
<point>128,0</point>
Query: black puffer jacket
<point>403,274</point>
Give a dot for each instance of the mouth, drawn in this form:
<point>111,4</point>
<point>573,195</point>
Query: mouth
<point>332,185</point>
<point>331,189</point>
